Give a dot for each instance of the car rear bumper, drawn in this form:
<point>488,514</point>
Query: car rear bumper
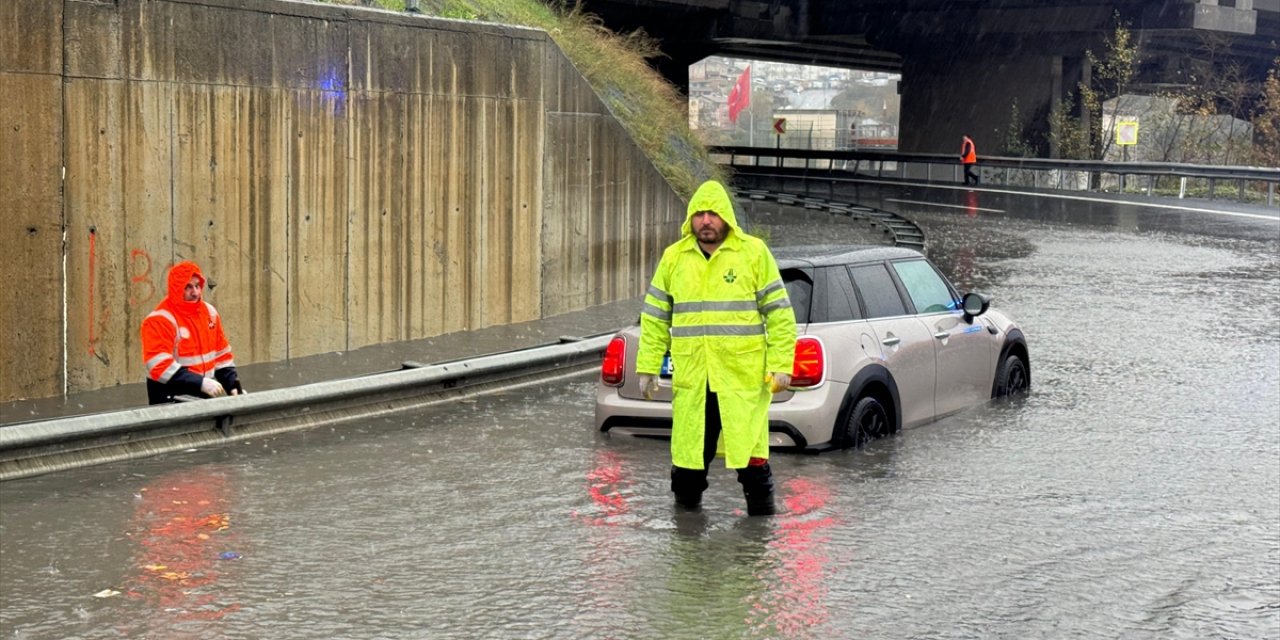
<point>802,421</point>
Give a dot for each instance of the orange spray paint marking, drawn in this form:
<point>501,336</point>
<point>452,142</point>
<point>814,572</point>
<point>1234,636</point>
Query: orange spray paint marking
<point>142,279</point>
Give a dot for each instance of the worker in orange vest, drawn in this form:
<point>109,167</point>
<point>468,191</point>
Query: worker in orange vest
<point>183,346</point>
<point>968,158</point>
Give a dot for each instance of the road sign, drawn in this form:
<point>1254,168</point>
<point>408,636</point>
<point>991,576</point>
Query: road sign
<point>1127,132</point>
<point>779,125</point>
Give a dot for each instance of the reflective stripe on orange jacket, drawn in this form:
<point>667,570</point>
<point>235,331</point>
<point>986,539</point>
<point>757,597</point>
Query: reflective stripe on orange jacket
<point>181,334</point>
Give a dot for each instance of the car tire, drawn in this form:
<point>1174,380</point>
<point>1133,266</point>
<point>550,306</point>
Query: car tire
<point>1011,377</point>
<point>867,421</point>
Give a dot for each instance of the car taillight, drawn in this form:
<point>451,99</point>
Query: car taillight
<point>810,369</point>
<point>615,362</point>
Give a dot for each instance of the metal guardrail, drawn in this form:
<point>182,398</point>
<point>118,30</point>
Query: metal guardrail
<point>1076,175</point>
<point>34,448</point>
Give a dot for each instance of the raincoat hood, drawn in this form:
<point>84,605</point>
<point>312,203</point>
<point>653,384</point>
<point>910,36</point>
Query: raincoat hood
<point>711,196</point>
<point>179,275</point>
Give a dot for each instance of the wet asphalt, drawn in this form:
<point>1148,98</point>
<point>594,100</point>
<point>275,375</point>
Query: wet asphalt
<point>1134,493</point>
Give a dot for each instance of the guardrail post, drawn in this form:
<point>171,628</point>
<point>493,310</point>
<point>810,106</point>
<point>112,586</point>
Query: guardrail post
<point>1241,190</point>
<point>1182,187</point>
<point>224,425</point>
<point>1212,184</point>
<point>1271,193</point>
<point>1151,181</point>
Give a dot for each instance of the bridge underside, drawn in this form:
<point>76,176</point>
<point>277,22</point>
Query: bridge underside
<point>963,61</point>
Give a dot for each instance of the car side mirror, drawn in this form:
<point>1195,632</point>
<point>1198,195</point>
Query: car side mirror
<point>974,305</point>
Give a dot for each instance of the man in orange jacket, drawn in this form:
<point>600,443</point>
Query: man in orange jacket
<point>968,158</point>
<point>183,346</point>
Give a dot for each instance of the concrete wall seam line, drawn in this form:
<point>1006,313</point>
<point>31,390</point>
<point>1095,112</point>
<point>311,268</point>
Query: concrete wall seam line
<point>57,431</point>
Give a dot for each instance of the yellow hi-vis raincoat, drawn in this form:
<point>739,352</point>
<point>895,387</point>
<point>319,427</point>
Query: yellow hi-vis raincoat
<point>727,321</point>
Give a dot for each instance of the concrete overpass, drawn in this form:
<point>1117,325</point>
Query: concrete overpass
<point>963,61</point>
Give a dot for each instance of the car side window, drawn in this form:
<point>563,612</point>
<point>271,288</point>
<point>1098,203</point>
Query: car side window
<point>928,291</point>
<point>842,304</point>
<point>878,292</point>
<point>800,290</point>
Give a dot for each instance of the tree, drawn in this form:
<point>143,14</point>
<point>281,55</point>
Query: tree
<point>1016,142</point>
<point>1112,73</point>
<point>1266,120</point>
<point>1201,121</point>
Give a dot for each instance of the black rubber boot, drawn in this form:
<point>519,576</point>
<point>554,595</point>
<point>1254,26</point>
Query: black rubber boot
<point>688,502</point>
<point>760,504</point>
<point>688,485</point>
<point>757,486</point>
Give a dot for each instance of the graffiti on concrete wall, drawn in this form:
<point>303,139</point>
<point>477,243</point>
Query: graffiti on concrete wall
<point>142,293</point>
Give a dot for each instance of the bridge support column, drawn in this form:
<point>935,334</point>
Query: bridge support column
<point>944,98</point>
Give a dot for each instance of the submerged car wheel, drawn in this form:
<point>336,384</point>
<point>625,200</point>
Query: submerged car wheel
<point>867,421</point>
<point>1012,378</point>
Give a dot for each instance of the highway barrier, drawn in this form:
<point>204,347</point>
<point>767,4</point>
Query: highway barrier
<point>34,448</point>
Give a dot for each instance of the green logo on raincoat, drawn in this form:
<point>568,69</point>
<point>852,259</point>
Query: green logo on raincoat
<point>729,276</point>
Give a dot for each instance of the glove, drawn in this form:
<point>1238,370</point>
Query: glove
<point>778,382</point>
<point>648,385</point>
<point>211,388</point>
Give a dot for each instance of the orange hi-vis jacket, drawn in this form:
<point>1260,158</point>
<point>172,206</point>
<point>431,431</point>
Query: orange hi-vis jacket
<point>968,153</point>
<point>183,342</point>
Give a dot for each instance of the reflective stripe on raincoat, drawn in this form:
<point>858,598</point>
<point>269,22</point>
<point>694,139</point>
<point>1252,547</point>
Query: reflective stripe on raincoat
<point>726,321</point>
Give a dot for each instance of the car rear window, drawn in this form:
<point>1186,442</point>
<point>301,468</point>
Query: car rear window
<point>878,292</point>
<point>838,301</point>
<point>800,290</point>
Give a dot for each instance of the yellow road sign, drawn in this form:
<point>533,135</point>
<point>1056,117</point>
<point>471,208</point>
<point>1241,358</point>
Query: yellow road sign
<point>1127,132</point>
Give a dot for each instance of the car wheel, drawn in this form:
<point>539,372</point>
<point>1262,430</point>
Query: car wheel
<point>1012,378</point>
<point>867,421</point>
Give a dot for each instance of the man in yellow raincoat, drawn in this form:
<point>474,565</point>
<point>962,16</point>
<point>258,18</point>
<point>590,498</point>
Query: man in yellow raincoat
<point>718,305</point>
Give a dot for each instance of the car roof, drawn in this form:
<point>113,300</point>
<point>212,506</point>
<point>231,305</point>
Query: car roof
<point>826,255</point>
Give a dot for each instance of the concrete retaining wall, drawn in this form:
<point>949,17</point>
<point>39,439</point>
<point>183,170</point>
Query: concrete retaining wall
<point>347,177</point>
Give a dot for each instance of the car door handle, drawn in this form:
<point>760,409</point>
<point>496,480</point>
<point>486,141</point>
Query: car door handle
<point>890,342</point>
<point>942,335</point>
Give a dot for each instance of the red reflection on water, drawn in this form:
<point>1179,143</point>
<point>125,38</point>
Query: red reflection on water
<point>971,204</point>
<point>795,600</point>
<point>606,484</point>
<point>182,528</point>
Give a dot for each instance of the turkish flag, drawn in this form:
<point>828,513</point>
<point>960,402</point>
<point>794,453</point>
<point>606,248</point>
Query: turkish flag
<point>740,95</point>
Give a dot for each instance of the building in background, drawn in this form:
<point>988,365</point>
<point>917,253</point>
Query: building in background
<point>821,105</point>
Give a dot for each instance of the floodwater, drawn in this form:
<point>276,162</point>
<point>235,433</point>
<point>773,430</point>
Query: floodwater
<point>1135,493</point>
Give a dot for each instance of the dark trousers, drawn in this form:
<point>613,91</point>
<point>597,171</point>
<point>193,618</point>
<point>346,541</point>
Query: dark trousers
<point>970,174</point>
<point>688,484</point>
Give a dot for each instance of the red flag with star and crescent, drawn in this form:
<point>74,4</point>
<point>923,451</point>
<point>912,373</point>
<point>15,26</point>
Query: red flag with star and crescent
<point>740,95</point>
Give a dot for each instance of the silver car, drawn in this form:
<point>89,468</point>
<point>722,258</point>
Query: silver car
<point>885,342</point>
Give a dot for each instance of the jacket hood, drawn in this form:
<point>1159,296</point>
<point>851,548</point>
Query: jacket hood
<point>179,275</point>
<point>711,196</point>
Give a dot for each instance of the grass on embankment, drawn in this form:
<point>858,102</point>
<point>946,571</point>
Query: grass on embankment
<point>642,100</point>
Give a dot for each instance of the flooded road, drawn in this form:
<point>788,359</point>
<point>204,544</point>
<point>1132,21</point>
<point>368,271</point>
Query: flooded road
<point>1135,493</point>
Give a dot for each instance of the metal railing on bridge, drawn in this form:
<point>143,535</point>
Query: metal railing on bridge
<point>1150,178</point>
